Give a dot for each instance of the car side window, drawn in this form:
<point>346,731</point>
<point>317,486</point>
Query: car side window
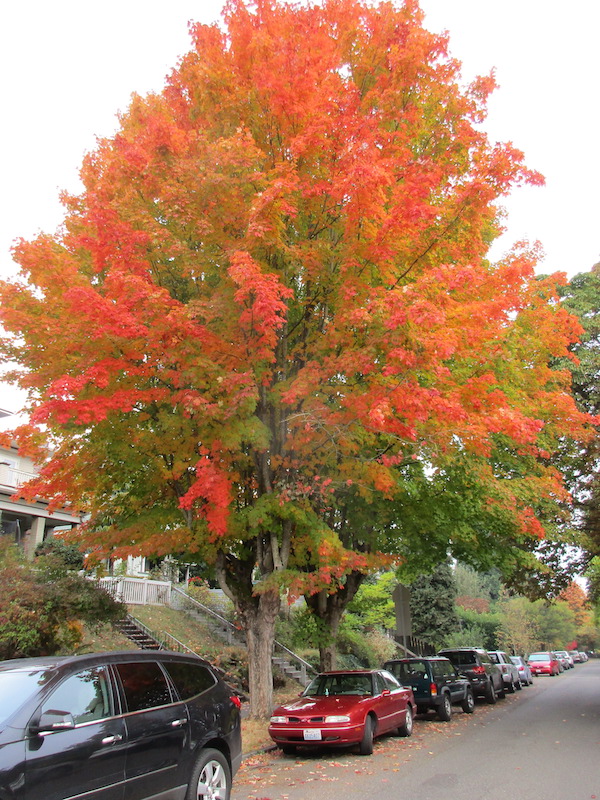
<point>144,685</point>
<point>437,669</point>
<point>447,669</point>
<point>86,695</point>
<point>390,682</point>
<point>190,679</point>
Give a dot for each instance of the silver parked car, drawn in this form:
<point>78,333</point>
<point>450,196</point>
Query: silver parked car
<point>510,673</point>
<point>525,673</point>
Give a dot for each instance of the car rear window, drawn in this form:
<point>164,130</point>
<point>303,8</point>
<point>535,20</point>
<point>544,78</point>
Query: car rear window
<point>463,659</point>
<point>539,657</point>
<point>408,671</point>
<point>190,679</point>
<point>144,684</point>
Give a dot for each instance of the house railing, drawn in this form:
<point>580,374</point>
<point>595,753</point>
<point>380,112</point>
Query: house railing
<point>138,591</point>
<point>144,592</point>
<point>13,477</point>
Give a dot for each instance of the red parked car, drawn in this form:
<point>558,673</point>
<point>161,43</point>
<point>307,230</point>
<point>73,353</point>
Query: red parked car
<point>545,663</point>
<point>344,708</point>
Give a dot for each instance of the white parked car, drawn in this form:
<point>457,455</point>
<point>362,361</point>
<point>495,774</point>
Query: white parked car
<point>565,659</point>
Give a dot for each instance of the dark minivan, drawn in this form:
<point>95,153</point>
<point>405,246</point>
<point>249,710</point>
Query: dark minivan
<point>117,726</point>
<point>475,662</point>
<point>436,684</point>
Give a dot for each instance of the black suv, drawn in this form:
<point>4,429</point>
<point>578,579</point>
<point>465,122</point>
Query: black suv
<point>435,684</point>
<point>138,725</point>
<point>476,664</point>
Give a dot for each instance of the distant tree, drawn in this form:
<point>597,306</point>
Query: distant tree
<point>373,606</point>
<point>517,632</point>
<point>555,624</point>
<point>581,464</point>
<point>432,605</point>
<point>476,629</point>
<point>578,602</point>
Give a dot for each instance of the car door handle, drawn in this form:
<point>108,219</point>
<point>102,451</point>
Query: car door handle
<point>112,739</point>
<point>177,723</point>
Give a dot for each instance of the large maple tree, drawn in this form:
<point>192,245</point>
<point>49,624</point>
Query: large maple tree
<point>268,332</point>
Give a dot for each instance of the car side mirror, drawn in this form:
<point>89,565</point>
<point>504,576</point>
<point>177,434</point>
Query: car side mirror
<point>52,721</point>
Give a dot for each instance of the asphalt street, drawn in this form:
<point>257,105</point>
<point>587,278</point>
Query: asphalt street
<point>542,743</point>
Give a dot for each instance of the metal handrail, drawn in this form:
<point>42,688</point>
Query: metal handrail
<point>303,665</point>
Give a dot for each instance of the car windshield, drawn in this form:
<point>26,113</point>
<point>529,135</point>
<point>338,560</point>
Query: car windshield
<point>18,686</point>
<point>327,685</point>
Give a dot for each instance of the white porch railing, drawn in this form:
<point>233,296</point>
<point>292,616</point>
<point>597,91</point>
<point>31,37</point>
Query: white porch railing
<point>13,477</point>
<point>138,591</point>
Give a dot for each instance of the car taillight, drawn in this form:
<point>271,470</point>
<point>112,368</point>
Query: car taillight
<point>478,670</point>
<point>236,700</point>
<point>433,689</point>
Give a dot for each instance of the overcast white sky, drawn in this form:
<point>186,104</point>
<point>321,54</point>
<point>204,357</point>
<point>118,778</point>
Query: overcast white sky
<point>68,66</point>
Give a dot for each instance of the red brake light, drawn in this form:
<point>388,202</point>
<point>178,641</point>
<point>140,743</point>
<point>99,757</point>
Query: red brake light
<point>478,670</point>
<point>236,700</point>
<point>433,689</point>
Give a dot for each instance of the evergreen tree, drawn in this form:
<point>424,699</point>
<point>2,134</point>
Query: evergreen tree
<point>432,605</point>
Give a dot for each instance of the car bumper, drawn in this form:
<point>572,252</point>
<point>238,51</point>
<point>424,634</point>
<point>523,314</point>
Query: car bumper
<point>323,735</point>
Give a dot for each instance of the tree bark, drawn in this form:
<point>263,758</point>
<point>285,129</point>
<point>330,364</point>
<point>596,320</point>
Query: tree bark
<point>259,620</point>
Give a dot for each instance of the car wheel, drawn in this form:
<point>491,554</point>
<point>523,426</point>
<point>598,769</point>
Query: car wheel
<point>288,749</point>
<point>511,687</point>
<point>518,685</point>
<point>365,747</point>
<point>490,694</point>
<point>444,710</point>
<point>406,728</point>
<point>211,777</point>
<point>468,704</point>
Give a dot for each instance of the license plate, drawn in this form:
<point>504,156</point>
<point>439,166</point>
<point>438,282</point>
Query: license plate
<point>312,735</point>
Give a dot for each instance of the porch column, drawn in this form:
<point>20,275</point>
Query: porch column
<point>34,536</point>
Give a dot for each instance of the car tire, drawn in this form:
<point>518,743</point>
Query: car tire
<point>210,778</point>
<point>444,710</point>
<point>518,686</point>
<point>365,748</point>
<point>490,694</point>
<point>511,687</point>
<point>406,728</point>
<point>468,704</point>
<point>288,749</point>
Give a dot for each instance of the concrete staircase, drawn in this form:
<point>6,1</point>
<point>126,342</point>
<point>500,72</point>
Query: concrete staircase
<point>138,634</point>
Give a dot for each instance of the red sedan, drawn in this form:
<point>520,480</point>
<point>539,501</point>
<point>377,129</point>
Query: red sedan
<point>344,708</point>
<point>545,663</point>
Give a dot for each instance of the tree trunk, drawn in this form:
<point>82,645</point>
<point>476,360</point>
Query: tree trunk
<point>328,648</point>
<point>259,623</point>
<point>329,609</point>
